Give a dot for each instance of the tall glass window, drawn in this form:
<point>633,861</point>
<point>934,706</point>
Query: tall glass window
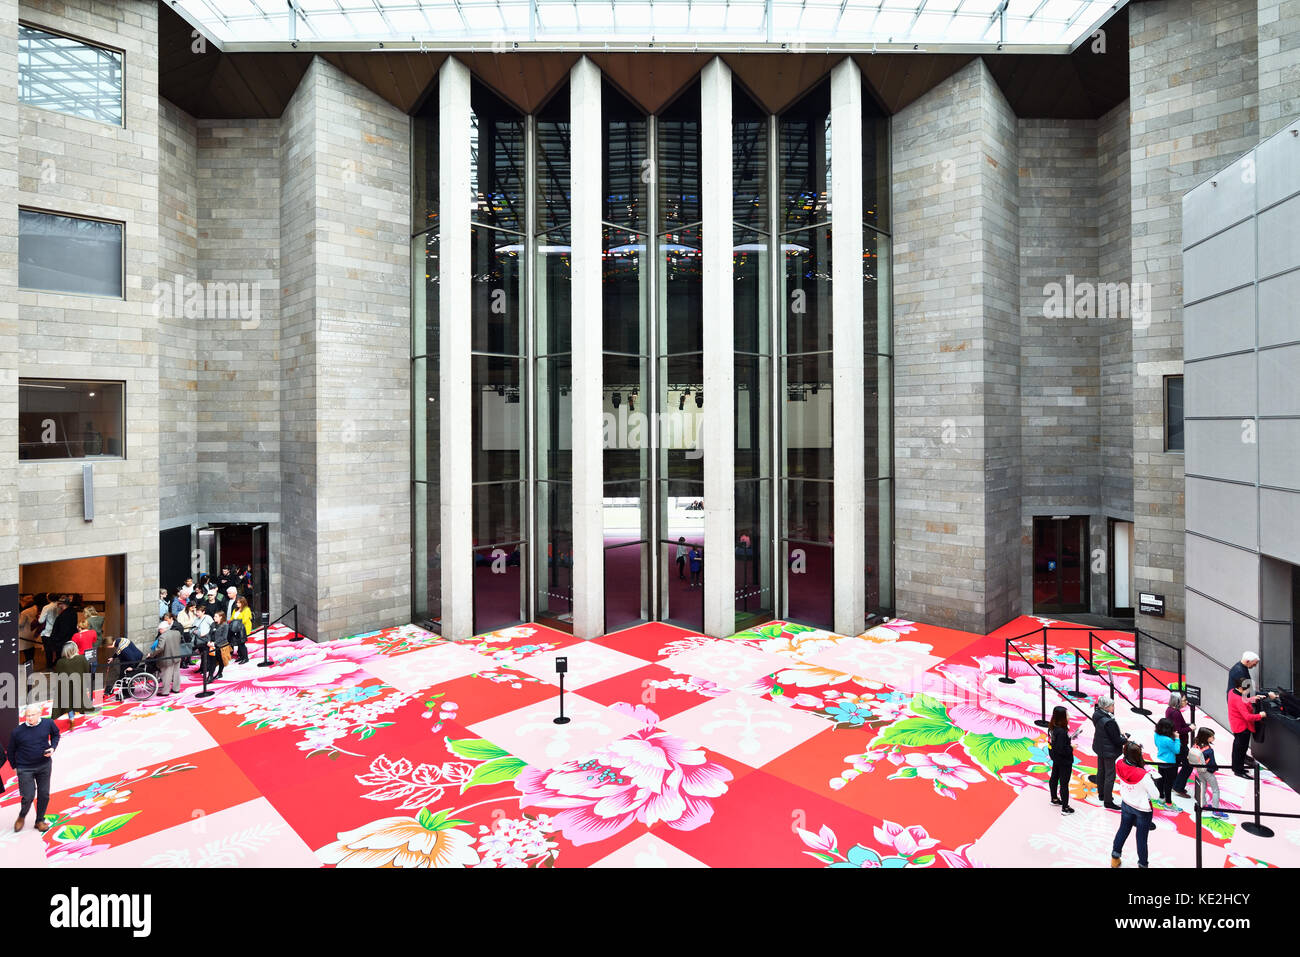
<point>877,364</point>
<point>752,311</point>
<point>680,357</point>
<point>71,76</point>
<point>499,469</point>
<point>806,488</point>
<point>553,367</point>
<point>625,290</point>
<point>426,498</point>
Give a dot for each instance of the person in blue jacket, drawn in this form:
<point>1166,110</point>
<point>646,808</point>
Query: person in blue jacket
<point>1167,758</point>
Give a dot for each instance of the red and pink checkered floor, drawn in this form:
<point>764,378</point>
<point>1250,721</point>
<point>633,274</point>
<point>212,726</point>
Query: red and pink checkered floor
<point>783,746</point>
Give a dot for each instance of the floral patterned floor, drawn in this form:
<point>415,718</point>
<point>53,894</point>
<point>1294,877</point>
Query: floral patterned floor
<point>782,746</point>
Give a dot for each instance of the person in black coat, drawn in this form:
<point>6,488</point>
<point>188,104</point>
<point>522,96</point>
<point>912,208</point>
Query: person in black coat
<point>1060,748</point>
<point>1108,745</point>
<point>218,640</point>
<point>65,626</point>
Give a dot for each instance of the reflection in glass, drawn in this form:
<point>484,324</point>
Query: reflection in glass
<point>554,402</point>
<point>555,552</point>
<point>753,445</point>
<point>754,535</point>
<point>752,297</point>
<point>496,264</point>
<point>681,299</point>
<point>807,293</point>
<point>877,317</point>
<point>70,419</point>
<point>626,570</point>
<point>809,516</point>
<point>626,161</point>
<point>497,420</point>
<point>498,513</point>
<point>880,547</point>
<point>424,294</point>
<point>498,587</point>
<point>496,160</point>
<point>681,424</point>
<point>424,165</point>
<point>810,598</point>
<point>805,161</point>
<point>625,425</point>
<point>679,144</point>
<point>806,419</point>
<point>681,580</point>
<point>553,169</point>
<point>749,164</point>
<point>553,292</point>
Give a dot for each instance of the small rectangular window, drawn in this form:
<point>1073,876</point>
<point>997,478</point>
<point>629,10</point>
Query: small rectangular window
<point>1173,413</point>
<point>73,254</point>
<point>69,76</point>
<point>70,419</point>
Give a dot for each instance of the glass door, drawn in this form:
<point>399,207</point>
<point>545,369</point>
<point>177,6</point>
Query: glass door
<point>1060,565</point>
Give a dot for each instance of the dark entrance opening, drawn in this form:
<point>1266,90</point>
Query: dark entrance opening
<point>1061,563</point>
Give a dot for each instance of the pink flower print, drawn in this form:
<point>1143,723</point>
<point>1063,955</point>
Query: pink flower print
<point>75,850</point>
<point>649,776</point>
<point>943,769</point>
<point>824,840</point>
<point>907,841</point>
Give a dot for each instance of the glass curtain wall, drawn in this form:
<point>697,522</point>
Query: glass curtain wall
<point>680,362</point>
<point>498,220</point>
<point>426,500</point>
<point>553,367</point>
<point>805,344</point>
<point>877,363</point>
<point>751,168</point>
<point>625,320</point>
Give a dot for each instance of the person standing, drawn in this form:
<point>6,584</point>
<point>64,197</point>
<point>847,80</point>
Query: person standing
<point>31,753</point>
<point>71,682</point>
<point>1136,789</point>
<point>1201,758</point>
<point>168,654</point>
<point>28,629</point>
<point>682,553</point>
<point>1184,732</point>
<point>1108,745</point>
<point>219,642</point>
<point>1167,758</point>
<point>241,626</point>
<point>697,565</point>
<point>1060,749</point>
<point>65,626</point>
<point>1242,721</point>
<point>231,603</point>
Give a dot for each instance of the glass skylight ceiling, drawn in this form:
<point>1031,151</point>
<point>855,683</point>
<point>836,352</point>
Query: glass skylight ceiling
<point>801,24</point>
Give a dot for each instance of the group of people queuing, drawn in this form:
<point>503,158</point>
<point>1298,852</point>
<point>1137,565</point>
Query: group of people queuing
<point>49,621</point>
<point>214,618</point>
<point>1183,755</point>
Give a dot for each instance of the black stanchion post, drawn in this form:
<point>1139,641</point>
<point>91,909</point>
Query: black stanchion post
<point>266,647</point>
<point>296,636</point>
<point>205,693</point>
<point>1110,678</point>
<point>1257,827</point>
<point>1043,722</point>
<point>1046,665</point>
<point>1006,678</point>
<point>1092,667</point>
<point>561,666</point>
<point>1076,693</point>
<point>1138,708</point>
<point>1198,824</point>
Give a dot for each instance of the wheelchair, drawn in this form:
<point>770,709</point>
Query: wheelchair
<point>137,684</point>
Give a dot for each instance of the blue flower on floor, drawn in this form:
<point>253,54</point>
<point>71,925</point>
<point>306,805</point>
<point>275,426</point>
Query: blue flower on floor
<point>847,712</point>
<point>1040,755</point>
<point>94,790</point>
<point>358,694</point>
<point>860,856</point>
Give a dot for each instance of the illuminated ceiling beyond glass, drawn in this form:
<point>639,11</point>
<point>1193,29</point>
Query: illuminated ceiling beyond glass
<point>802,25</point>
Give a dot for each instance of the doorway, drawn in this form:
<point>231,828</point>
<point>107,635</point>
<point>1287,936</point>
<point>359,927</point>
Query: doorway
<point>238,545</point>
<point>1120,568</point>
<point>1060,566</point>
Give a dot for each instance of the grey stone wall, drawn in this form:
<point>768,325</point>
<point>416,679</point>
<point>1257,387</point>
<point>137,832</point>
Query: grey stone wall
<point>1193,107</point>
<point>1060,354</point>
<point>298,131</point>
<point>956,354</point>
<point>72,165</point>
<point>178,358</point>
<point>1278,22</point>
<point>1115,265</point>
<point>345,347</point>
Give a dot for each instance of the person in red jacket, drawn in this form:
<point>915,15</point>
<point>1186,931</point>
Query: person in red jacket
<point>1136,791</point>
<point>1242,720</point>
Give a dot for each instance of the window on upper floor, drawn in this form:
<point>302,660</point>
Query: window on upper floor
<point>72,254</point>
<point>68,75</point>
<point>70,419</point>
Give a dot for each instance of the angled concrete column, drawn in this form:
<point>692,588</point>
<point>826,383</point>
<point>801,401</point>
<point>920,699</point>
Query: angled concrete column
<point>719,344</point>
<point>847,428</point>
<point>456,450</point>
<point>588,441</point>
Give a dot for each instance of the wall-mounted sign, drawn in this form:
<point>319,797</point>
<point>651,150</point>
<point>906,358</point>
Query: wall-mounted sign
<point>1149,604</point>
<point>1193,695</point>
<point>9,691</point>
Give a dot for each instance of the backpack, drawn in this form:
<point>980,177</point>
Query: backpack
<point>237,633</point>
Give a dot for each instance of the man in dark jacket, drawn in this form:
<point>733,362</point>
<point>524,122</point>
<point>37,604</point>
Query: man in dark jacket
<point>218,640</point>
<point>168,653</point>
<point>65,626</point>
<point>31,746</point>
<point>1108,745</point>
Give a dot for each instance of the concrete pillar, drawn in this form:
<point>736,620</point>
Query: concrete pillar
<point>847,427</point>
<point>588,375</point>
<point>719,347</point>
<point>456,449</point>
